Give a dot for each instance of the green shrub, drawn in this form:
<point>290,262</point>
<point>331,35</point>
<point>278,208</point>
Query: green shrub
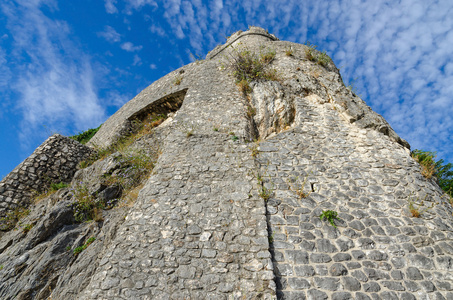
<point>58,186</point>
<point>85,136</point>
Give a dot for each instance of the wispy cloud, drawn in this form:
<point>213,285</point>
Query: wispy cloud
<point>56,85</point>
<point>157,30</point>
<point>110,6</point>
<point>138,4</point>
<point>129,47</point>
<point>110,34</point>
<point>397,53</point>
<point>152,66</point>
<point>137,60</point>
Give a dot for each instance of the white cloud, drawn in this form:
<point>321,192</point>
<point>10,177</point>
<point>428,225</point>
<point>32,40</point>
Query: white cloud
<point>57,83</point>
<point>115,99</point>
<point>5,73</point>
<point>399,52</point>
<point>110,6</point>
<point>110,34</point>
<point>137,60</point>
<point>152,66</point>
<point>138,4</point>
<point>157,30</point>
<point>129,47</point>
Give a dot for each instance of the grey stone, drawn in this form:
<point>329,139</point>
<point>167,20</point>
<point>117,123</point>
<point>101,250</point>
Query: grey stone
<point>444,286</point>
<point>397,275</point>
<point>325,246</point>
<point>339,257</point>
<point>304,271</point>
<point>359,275</point>
<point>316,295</point>
<point>357,254</point>
<point>421,261</point>
<point>398,262</point>
<point>366,243</point>
<point>427,286</point>
<point>327,283</point>
<point>350,283</point>
<point>298,283</point>
<point>413,273</point>
<point>392,285</point>
<point>376,274</point>
<point>377,255</point>
<point>342,296</point>
<point>371,286</point>
<point>320,258</point>
<point>297,257</point>
<point>338,270</point>
<point>388,295</point>
<point>361,296</point>
<point>411,286</point>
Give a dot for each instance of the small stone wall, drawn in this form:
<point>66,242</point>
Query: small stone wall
<point>53,162</point>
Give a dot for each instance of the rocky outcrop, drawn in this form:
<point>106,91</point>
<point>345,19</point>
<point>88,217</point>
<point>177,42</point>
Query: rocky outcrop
<point>292,189</point>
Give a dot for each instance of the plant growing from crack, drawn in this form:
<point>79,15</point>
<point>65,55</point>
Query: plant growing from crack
<point>248,66</point>
<point>264,192</point>
<point>139,128</point>
<point>329,215</point>
<point>321,58</point>
<point>12,218</point>
<point>415,210</point>
<point>300,191</point>
<point>78,250</point>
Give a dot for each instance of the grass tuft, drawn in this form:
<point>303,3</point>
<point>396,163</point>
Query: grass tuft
<point>321,58</point>
<point>249,66</point>
<point>426,161</point>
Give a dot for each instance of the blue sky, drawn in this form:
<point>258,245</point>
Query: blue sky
<point>66,66</point>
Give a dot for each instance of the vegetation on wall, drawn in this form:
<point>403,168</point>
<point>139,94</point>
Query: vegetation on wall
<point>85,136</point>
<point>249,66</point>
<point>321,58</point>
<point>432,168</point>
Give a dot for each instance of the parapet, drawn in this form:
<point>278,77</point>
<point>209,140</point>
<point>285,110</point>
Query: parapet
<point>253,35</point>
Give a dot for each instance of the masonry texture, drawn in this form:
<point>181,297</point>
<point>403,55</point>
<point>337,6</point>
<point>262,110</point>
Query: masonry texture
<point>232,207</point>
<point>54,161</point>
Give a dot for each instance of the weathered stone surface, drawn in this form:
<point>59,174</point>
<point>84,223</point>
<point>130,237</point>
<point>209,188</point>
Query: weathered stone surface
<point>200,228</point>
<point>54,161</point>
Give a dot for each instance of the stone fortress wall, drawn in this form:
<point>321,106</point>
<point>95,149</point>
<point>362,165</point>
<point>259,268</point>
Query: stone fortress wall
<point>222,217</point>
<point>53,161</point>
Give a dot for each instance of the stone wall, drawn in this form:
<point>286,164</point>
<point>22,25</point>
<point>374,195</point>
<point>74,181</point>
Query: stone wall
<point>224,217</point>
<point>377,250</point>
<point>54,161</point>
